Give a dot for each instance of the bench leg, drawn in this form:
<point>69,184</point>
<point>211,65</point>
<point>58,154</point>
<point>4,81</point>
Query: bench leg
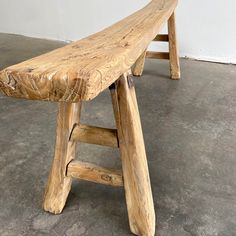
<point>138,67</point>
<point>59,184</point>
<point>134,163</point>
<point>173,49</point>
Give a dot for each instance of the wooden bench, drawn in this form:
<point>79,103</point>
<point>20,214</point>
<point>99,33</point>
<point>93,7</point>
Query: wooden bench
<point>79,72</point>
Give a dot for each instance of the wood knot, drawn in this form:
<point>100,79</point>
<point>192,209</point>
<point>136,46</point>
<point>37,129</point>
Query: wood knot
<point>107,178</point>
<point>29,70</point>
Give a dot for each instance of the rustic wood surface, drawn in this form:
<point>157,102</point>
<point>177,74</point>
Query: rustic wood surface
<point>81,70</point>
<point>94,173</point>
<point>59,184</point>
<point>134,163</point>
<point>173,48</point>
<point>95,135</point>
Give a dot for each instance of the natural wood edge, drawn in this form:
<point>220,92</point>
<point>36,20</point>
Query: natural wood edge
<point>162,38</point>
<point>95,135</point>
<point>91,172</point>
<point>157,55</point>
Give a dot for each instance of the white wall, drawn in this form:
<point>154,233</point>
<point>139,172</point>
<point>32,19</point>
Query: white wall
<point>206,28</point>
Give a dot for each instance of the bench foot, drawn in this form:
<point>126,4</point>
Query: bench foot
<point>59,185</point>
<point>134,163</point>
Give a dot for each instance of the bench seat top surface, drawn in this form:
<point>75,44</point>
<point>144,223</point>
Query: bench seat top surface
<point>81,70</point>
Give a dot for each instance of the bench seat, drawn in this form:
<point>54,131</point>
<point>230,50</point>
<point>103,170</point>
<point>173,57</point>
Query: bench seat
<point>83,69</point>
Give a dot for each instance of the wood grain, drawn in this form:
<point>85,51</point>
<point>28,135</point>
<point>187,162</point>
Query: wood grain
<point>91,172</point>
<point>59,184</point>
<point>81,70</point>
<point>95,135</point>
<point>134,163</point>
<point>173,49</point>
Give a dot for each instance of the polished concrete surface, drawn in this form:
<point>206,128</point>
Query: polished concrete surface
<point>190,133</point>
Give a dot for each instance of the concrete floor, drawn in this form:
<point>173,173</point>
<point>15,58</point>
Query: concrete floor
<point>190,133</point>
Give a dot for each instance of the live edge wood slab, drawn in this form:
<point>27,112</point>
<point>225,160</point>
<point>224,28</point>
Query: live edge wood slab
<point>79,72</point>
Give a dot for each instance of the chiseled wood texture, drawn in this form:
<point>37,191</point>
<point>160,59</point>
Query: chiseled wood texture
<point>94,173</point>
<point>81,70</point>
<point>134,163</point>
<point>173,49</point>
<point>59,184</point>
<point>137,69</point>
<point>95,135</point>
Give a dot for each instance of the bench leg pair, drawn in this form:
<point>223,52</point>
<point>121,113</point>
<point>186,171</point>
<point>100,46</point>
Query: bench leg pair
<point>127,137</point>
<point>172,55</point>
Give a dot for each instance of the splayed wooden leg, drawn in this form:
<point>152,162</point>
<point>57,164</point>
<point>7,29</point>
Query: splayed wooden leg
<point>59,185</point>
<point>134,163</point>
<point>173,49</point>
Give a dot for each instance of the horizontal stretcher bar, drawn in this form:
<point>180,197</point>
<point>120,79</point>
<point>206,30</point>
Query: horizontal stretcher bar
<point>95,135</point>
<point>158,55</point>
<point>91,172</point>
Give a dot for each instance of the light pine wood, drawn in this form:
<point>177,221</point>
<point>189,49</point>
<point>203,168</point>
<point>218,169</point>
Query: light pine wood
<point>134,163</point>
<point>162,38</point>
<point>95,135</point>
<point>81,70</point>
<point>94,173</point>
<point>59,184</point>
<point>157,55</point>
<point>138,67</point>
<point>173,49</point>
